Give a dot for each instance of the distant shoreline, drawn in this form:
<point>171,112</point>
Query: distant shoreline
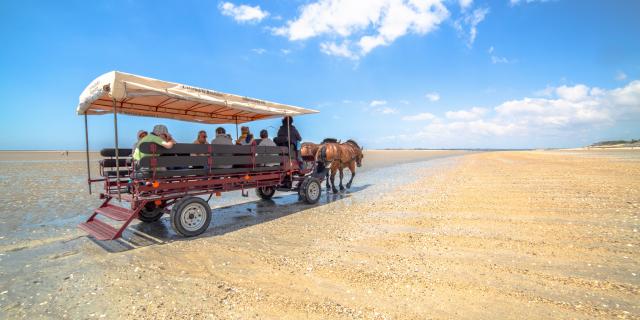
<point>393,149</point>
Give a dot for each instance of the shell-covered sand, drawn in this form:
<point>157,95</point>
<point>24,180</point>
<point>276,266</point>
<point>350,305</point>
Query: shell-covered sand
<point>486,235</point>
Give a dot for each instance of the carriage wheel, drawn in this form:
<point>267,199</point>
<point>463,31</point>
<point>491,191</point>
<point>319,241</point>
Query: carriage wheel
<point>310,190</point>
<point>151,212</point>
<point>190,216</point>
<point>265,192</point>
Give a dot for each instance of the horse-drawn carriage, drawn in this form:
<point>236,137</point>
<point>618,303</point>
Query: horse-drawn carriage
<point>171,180</point>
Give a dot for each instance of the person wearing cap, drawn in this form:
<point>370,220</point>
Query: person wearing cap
<point>160,135</point>
<point>141,134</point>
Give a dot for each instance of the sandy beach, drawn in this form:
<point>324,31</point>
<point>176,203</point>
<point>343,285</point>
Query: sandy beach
<point>528,234</point>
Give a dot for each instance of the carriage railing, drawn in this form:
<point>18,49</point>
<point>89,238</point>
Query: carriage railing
<point>115,172</point>
<point>197,159</point>
<point>187,161</point>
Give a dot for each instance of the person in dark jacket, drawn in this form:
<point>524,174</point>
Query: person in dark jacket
<point>283,136</point>
<point>283,133</point>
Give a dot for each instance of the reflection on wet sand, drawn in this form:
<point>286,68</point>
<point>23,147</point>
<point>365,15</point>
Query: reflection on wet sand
<point>225,219</point>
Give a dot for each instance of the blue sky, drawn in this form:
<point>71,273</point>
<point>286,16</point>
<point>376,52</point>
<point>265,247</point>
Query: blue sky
<point>388,73</point>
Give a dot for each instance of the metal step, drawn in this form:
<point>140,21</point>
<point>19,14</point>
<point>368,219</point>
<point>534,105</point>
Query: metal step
<point>99,229</point>
<point>115,212</point>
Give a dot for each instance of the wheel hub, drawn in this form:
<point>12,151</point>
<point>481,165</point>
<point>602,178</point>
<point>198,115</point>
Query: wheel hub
<point>193,217</point>
<point>314,190</point>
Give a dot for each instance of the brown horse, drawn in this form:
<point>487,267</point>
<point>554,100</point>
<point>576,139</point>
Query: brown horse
<point>308,150</point>
<point>337,157</point>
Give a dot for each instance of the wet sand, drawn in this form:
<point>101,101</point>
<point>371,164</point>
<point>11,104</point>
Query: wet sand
<point>486,235</point>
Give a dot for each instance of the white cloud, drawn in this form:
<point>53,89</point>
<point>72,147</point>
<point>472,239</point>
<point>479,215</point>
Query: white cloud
<point>467,25</point>
<point>495,59</point>
<point>575,93</point>
<point>574,106</point>
<point>433,96</point>
<point>376,103</point>
<point>626,99</point>
<point>242,13</point>
<point>363,25</point>
<point>340,50</point>
<point>464,4</point>
<point>567,111</point>
<point>516,2</point>
<point>285,51</point>
<point>546,92</point>
<point>420,117</point>
<point>259,50</point>
<point>621,76</point>
<point>387,110</point>
<point>466,115</point>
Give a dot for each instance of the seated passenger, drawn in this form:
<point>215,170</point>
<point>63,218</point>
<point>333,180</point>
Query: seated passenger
<point>283,137</point>
<point>246,138</point>
<point>264,139</point>
<point>221,138</point>
<point>266,142</point>
<point>284,133</point>
<point>160,135</point>
<point>141,134</point>
<point>202,138</point>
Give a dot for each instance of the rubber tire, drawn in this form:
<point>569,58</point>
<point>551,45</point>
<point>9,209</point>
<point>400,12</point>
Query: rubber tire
<point>301,196</point>
<point>304,191</point>
<point>265,195</point>
<point>150,213</point>
<point>177,211</point>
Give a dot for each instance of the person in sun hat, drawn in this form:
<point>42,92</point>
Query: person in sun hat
<point>160,135</point>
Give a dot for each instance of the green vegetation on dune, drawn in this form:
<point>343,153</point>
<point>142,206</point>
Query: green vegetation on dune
<point>615,142</point>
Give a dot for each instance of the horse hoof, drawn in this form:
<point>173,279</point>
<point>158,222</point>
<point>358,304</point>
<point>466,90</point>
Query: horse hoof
<point>348,186</point>
<point>334,190</point>
<point>341,188</point>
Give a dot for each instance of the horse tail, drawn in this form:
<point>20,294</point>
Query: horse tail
<point>321,154</point>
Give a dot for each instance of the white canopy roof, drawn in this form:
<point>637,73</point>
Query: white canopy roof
<point>142,96</point>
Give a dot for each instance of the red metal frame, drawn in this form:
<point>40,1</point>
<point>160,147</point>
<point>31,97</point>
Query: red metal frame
<point>170,189</point>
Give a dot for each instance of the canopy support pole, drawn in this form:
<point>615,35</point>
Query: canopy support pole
<point>237,136</point>
<point>289,138</point>
<point>115,129</point>
<point>86,144</point>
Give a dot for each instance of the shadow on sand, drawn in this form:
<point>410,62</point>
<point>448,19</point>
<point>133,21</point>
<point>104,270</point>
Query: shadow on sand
<point>224,220</point>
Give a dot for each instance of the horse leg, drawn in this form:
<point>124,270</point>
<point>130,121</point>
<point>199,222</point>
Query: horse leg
<point>327,180</point>
<point>352,168</point>
<point>341,175</point>
<point>326,176</point>
<point>333,180</point>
